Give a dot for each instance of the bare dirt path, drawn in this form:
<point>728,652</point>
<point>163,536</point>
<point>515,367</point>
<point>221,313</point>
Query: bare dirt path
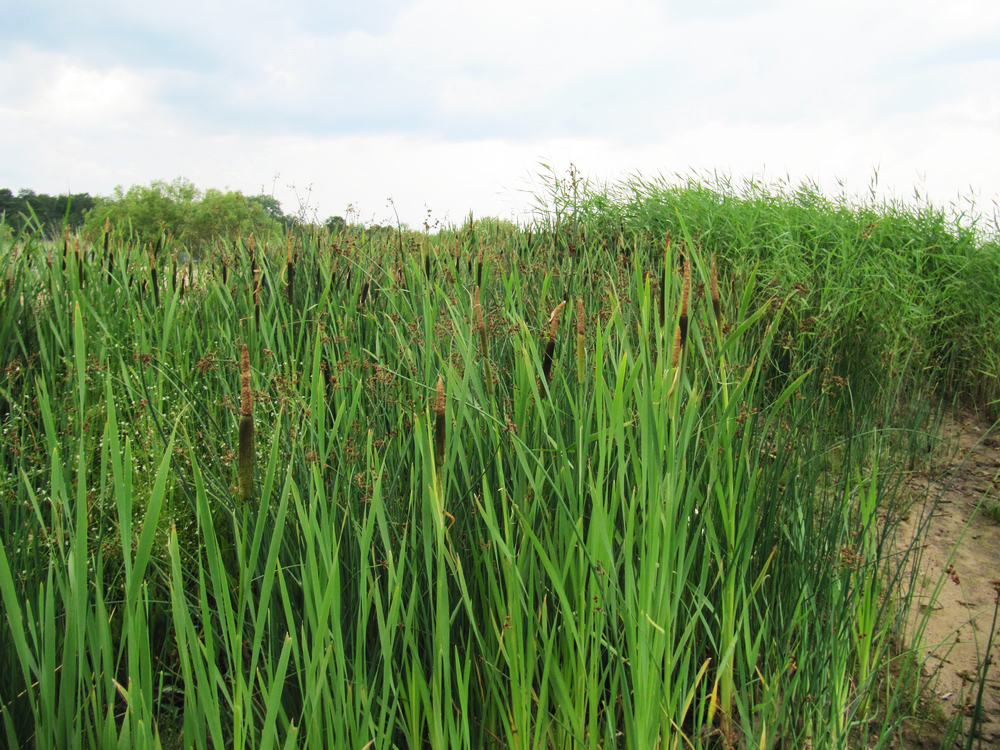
<point>957,582</point>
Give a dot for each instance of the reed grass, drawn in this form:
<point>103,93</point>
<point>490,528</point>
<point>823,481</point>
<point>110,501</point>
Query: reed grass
<point>682,548</point>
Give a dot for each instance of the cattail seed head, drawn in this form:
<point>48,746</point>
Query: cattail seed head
<point>687,286</point>
<point>663,281</point>
<point>246,428</point>
<point>246,393</point>
<point>716,303</point>
<point>676,357</point>
<point>554,320</point>
<point>439,423</point>
<point>484,341</point>
<point>550,346</point>
<point>290,272</point>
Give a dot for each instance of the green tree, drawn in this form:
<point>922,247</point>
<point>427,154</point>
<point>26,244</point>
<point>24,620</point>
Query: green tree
<point>336,224</point>
<point>184,212</point>
<point>39,211</point>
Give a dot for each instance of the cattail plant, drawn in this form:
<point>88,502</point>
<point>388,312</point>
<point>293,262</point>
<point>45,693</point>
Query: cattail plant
<point>154,280</point>
<point>664,280</point>
<point>109,257</point>
<point>252,245</point>
<point>256,295</point>
<point>65,247</point>
<point>79,261</point>
<point>366,290</point>
<point>581,342</point>
<point>290,272</point>
<point>716,303</point>
<point>680,337</point>
<point>550,347</point>
<point>246,428</point>
<point>439,425</point>
<point>680,333</point>
<point>222,262</point>
<point>484,342</point>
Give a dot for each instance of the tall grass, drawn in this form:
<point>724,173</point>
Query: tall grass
<point>457,538</point>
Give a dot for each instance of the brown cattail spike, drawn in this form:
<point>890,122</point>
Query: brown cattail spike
<point>664,280</point>
<point>246,393</point>
<point>676,357</point>
<point>484,341</point>
<point>246,428</point>
<point>290,272</point>
<point>439,423</point>
<point>682,321</point>
<point>152,273</point>
<point>109,256</point>
<point>550,346</point>
<point>554,320</point>
<point>581,342</point>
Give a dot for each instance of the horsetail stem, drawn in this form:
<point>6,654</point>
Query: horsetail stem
<point>246,428</point>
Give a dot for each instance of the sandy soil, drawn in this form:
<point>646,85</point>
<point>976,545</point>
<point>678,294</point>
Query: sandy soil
<point>957,582</point>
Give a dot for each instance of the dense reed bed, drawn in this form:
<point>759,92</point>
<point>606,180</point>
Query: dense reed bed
<point>575,485</point>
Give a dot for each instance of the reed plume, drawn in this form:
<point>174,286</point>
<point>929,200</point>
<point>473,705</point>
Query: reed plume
<point>246,428</point>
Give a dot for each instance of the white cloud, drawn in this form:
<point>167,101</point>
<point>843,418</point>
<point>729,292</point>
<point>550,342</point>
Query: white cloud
<point>452,104</point>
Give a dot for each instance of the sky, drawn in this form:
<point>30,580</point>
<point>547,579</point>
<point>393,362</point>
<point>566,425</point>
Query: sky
<point>435,108</point>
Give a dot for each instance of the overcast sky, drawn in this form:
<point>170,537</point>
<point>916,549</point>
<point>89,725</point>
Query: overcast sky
<point>451,105</point>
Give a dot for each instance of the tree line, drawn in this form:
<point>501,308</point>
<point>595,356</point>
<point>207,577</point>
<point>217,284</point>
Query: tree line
<point>149,212</point>
<point>27,210</point>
